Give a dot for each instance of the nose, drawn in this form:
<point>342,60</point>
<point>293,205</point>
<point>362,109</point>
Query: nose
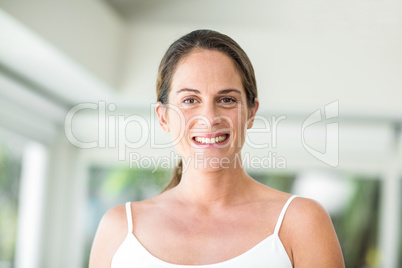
<point>209,115</point>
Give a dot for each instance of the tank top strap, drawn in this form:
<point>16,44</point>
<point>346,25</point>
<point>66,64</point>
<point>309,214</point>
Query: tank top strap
<point>282,214</point>
<point>129,217</point>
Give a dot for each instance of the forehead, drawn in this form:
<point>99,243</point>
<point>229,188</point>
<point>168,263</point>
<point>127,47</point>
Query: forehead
<point>206,70</point>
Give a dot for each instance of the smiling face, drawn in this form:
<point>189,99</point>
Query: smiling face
<point>207,109</point>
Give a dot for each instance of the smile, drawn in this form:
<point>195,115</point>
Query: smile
<point>211,140</point>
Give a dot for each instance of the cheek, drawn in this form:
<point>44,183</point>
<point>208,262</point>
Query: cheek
<point>242,125</point>
<point>175,120</point>
<point>178,122</point>
<point>239,117</point>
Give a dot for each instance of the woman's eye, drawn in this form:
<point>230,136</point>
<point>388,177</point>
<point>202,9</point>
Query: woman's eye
<point>228,100</point>
<point>189,101</point>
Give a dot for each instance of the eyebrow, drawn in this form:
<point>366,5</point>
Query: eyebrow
<point>223,91</point>
<point>188,89</point>
<point>226,91</point>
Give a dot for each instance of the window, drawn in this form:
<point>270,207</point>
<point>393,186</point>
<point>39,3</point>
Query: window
<point>109,187</point>
<point>10,173</point>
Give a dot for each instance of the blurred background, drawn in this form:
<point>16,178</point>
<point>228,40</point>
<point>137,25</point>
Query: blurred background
<point>78,132</point>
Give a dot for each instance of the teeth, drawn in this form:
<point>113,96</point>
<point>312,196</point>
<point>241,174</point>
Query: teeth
<point>210,140</point>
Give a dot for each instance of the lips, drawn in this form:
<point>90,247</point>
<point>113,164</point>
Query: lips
<point>211,139</point>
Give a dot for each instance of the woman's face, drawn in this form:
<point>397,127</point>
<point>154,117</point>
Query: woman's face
<point>207,112</point>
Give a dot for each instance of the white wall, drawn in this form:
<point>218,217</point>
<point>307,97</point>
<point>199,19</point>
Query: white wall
<point>88,31</point>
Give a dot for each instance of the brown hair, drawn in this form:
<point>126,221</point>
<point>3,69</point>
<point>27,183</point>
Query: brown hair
<point>208,40</point>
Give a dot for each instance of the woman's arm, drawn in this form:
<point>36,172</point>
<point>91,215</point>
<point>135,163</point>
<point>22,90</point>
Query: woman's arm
<point>312,236</point>
<point>110,234</point>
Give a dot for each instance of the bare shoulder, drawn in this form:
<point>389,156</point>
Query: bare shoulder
<point>309,235</point>
<point>307,211</point>
<point>305,217</point>
<point>111,232</point>
<point>115,217</point>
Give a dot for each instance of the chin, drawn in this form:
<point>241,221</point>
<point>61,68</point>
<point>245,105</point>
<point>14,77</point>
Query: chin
<point>213,162</point>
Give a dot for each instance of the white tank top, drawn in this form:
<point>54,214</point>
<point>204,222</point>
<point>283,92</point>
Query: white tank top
<point>270,252</point>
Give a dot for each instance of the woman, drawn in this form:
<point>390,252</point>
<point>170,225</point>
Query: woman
<point>212,214</point>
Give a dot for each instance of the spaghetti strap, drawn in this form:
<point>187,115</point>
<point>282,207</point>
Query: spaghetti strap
<point>129,217</point>
<point>282,215</point>
<point>269,252</point>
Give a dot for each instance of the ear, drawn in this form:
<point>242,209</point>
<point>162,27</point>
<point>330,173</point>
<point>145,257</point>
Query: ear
<point>251,113</point>
<point>161,111</point>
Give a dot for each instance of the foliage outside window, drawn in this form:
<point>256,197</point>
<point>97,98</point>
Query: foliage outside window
<point>10,171</point>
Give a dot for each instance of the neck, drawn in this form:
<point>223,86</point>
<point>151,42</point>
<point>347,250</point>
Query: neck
<point>208,187</point>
